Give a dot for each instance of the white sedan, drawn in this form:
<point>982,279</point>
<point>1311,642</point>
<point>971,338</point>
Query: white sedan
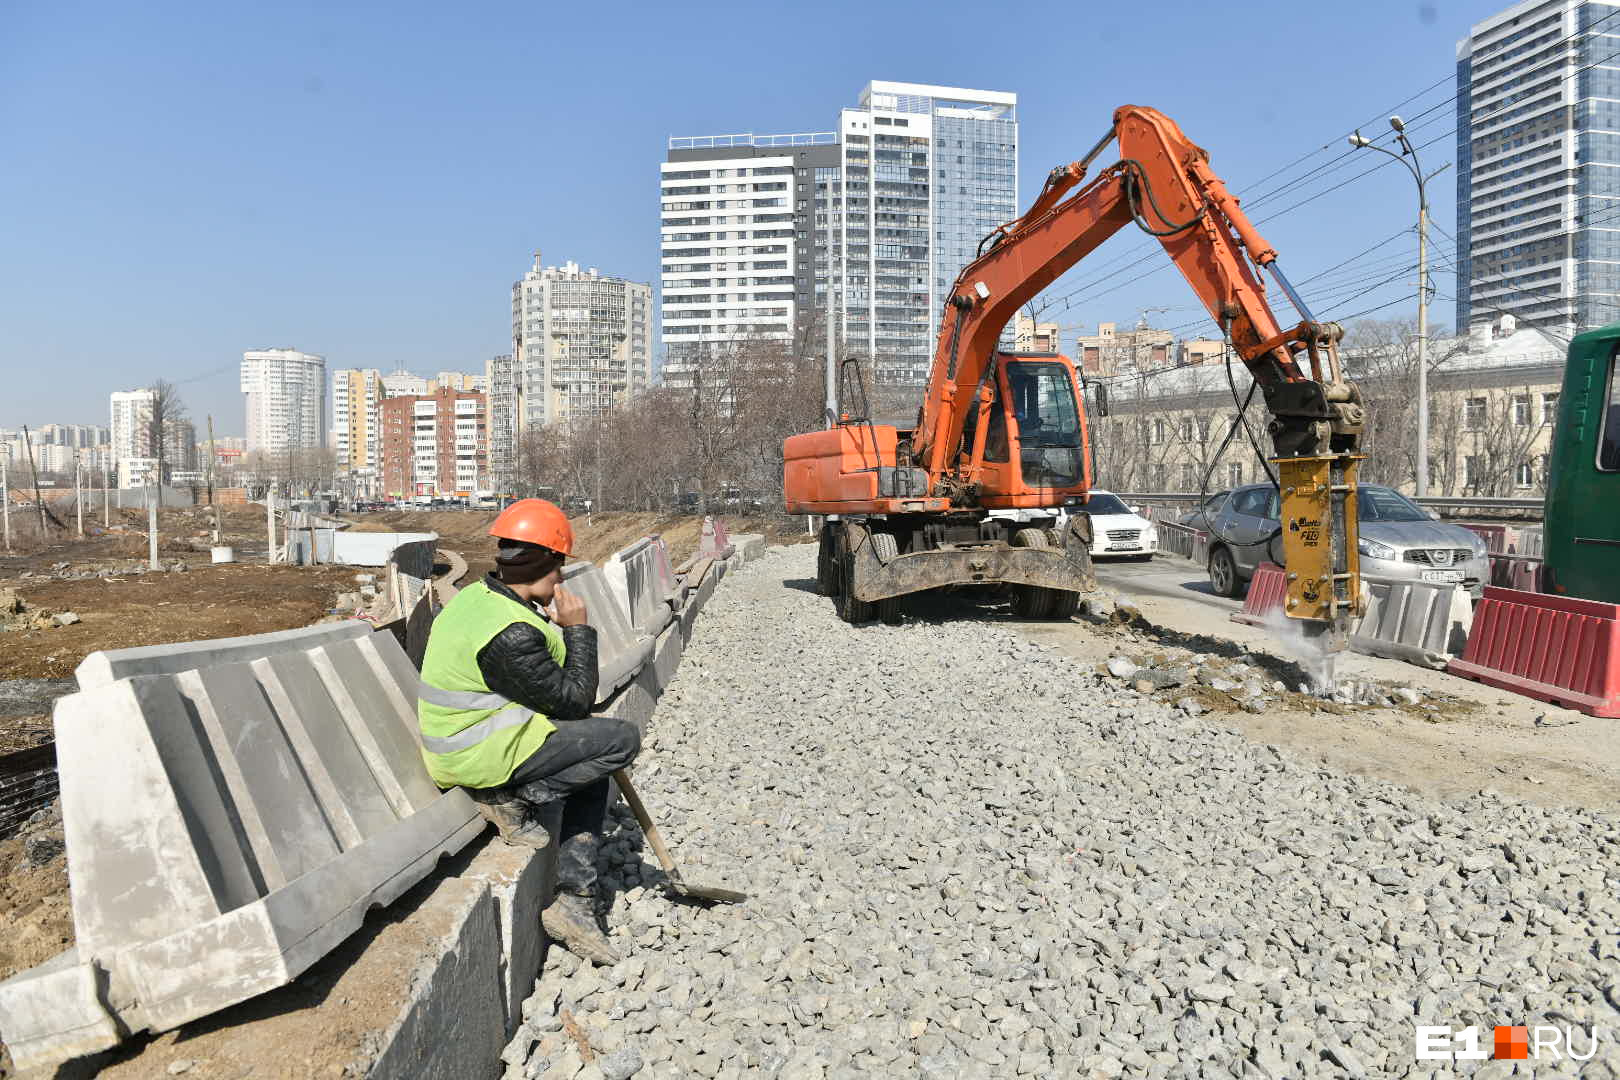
<point>1116,529</point>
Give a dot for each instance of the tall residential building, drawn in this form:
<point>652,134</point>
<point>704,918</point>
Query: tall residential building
<point>738,237</point>
<point>286,399</point>
<point>1032,336</point>
<point>581,340</point>
<point>435,444</point>
<point>357,393</point>
<point>133,455</point>
<point>1112,351</point>
<point>500,376</point>
<point>402,382</point>
<point>1538,166</point>
<point>914,177</point>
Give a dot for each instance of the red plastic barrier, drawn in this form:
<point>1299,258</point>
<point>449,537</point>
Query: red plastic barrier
<point>1552,648</point>
<point>715,539</point>
<point>1268,591</point>
<point>1519,572</point>
<point>1496,537</point>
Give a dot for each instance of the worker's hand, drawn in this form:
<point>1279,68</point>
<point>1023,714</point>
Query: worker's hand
<point>567,609</point>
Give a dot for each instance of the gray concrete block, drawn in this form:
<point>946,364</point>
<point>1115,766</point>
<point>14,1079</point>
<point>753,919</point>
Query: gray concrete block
<point>641,575</point>
<point>1412,621</point>
<point>100,668</point>
<point>621,648</point>
<point>749,545</point>
<point>454,1025</point>
<point>521,881</point>
<point>53,1012</point>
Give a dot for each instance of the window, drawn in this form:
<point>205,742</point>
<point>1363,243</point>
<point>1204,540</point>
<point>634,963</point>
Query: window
<point>1608,458</point>
<point>1189,478</point>
<point>1234,474</point>
<point>1474,414</point>
<point>1252,502</point>
<point>1161,431</point>
<point>1521,410</point>
<point>1473,471</point>
<point>1524,476</point>
<point>1549,408</point>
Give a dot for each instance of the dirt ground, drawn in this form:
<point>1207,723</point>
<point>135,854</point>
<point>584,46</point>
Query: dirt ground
<point>33,908</point>
<point>1485,739</point>
<point>207,601</point>
<point>22,732</point>
<point>183,533</point>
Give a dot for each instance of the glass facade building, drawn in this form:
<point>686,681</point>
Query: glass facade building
<point>1538,166</point>
<point>902,193</point>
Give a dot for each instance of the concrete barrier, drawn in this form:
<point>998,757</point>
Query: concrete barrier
<point>621,648</point>
<point>641,574</point>
<point>229,820</point>
<point>1420,623</point>
<point>1413,621</point>
<point>102,668</point>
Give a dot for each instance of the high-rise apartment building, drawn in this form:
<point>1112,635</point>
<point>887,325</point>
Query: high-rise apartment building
<point>907,186</point>
<point>738,233</point>
<point>1538,166</point>
<point>501,379</point>
<point>286,399</point>
<point>581,341</point>
<point>435,444</point>
<point>357,394</point>
<point>133,455</point>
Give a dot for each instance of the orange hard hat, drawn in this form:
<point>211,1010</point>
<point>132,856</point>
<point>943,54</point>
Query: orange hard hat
<point>535,521</point>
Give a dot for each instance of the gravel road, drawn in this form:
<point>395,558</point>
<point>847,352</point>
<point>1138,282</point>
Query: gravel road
<point>970,856</point>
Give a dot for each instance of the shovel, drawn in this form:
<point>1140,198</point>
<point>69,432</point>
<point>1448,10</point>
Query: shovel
<point>648,829</point>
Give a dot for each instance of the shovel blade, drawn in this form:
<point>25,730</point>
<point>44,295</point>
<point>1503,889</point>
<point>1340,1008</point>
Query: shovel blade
<point>706,892</point>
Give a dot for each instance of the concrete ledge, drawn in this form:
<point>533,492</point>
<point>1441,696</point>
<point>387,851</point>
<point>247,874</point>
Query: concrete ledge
<point>101,668</point>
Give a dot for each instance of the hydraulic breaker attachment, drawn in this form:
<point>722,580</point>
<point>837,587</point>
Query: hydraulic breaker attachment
<point>1319,545</point>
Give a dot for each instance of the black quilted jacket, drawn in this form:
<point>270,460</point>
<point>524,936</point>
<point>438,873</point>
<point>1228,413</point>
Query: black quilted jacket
<point>516,664</point>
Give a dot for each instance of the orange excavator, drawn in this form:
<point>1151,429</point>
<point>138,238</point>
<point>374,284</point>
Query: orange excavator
<point>914,509</point>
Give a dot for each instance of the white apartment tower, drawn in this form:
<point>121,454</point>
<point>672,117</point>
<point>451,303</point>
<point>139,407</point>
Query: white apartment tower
<point>286,399</point>
<point>1538,167</point>
<point>581,342</point>
<point>133,455</point>
<point>914,178</point>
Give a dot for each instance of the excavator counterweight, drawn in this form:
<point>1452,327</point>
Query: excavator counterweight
<point>990,486</point>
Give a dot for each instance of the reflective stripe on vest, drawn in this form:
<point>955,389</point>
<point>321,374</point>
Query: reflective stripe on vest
<point>469,737</point>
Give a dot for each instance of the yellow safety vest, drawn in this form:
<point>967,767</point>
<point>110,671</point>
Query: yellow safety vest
<point>471,735</point>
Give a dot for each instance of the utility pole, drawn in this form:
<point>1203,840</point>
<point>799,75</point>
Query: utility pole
<point>832,347</point>
<point>270,521</point>
<point>78,494</point>
<point>211,460</point>
<point>106,497</point>
<point>151,528</point>
<point>5,497</point>
<point>39,500</point>
<point>1414,167</point>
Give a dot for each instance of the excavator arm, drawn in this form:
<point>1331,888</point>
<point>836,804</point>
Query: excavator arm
<point>1164,183</point>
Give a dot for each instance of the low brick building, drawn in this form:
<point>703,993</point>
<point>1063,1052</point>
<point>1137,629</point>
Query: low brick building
<point>435,444</point>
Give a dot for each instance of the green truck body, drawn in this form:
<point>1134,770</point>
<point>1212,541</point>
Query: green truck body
<point>1581,535</point>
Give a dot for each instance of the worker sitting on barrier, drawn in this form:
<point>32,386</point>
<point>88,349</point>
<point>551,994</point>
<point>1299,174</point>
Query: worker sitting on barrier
<point>508,681</point>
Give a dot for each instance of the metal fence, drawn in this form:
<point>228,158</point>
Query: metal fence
<point>27,784</point>
<point>1435,502</point>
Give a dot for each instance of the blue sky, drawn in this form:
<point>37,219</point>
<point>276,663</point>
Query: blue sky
<point>184,181</point>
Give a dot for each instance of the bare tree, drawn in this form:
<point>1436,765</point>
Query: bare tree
<point>166,413</point>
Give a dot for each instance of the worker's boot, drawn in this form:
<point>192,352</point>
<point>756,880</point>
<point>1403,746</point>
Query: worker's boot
<point>512,816</point>
<point>571,918</point>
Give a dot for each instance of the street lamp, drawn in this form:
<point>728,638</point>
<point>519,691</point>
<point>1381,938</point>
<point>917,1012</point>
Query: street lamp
<point>1408,157</point>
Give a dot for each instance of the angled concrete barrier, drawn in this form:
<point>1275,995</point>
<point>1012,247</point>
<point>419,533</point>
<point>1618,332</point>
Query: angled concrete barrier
<point>228,823</point>
<point>621,648</point>
<point>101,668</point>
<point>748,546</point>
<point>1412,621</point>
<point>641,574</point>
<point>1520,572</point>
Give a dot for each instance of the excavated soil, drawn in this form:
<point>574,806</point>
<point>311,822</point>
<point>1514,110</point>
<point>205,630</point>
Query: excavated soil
<point>157,608</point>
<point>34,909</point>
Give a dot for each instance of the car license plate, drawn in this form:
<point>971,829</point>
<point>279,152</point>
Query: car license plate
<point>1126,547</point>
<point>1443,577</point>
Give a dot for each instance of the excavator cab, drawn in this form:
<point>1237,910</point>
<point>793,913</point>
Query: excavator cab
<point>1035,407</point>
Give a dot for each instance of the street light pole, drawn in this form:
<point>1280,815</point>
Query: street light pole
<point>1416,169</point>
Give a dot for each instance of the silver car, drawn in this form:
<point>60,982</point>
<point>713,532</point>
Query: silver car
<point>1399,540</point>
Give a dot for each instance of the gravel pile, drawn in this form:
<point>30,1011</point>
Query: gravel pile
<point>972,857</point>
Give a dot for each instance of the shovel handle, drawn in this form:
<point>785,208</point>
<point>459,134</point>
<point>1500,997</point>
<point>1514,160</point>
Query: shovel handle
<point>648,829</point>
